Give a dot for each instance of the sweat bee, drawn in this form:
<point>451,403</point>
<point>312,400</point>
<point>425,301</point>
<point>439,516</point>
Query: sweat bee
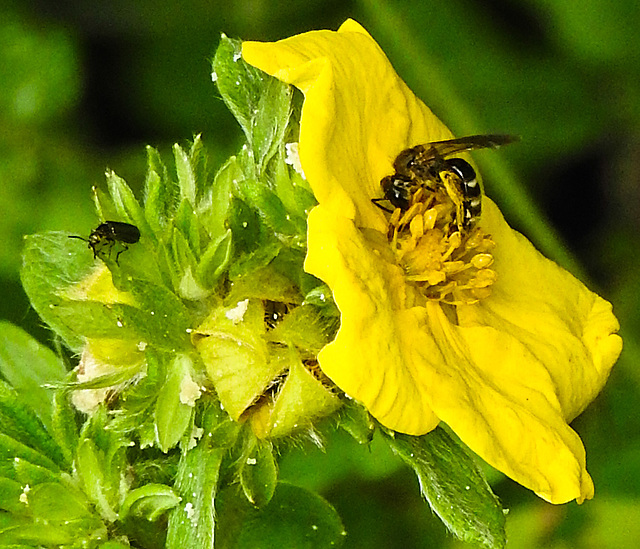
<point>430,167</point>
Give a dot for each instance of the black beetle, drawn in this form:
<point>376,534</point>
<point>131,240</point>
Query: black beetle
<point>110,232</point>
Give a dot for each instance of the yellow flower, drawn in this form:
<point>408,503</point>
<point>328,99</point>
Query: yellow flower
<point>476,330</point>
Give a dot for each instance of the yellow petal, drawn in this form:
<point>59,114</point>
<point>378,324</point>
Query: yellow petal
<point>502,402</point>
<point>516,366</point>
<point>357,115</point>
<point>369,358</point>
<point>568,328</point>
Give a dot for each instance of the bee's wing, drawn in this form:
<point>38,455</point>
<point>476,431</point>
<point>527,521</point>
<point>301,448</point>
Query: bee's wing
<point>453,146</point>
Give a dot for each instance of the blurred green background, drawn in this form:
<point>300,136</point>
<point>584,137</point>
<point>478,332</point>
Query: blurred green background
<point>84,86</point>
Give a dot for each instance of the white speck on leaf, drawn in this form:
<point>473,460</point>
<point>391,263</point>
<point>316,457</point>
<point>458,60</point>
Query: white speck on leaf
<point>237,313</point>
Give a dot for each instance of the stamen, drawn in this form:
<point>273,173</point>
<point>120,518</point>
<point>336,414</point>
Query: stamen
<point>440,261</point>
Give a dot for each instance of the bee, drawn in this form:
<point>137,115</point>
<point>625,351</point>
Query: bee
<point>108,233</point>
<point>430,167</point>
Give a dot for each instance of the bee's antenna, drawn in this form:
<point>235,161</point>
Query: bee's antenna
<point>78,237</point>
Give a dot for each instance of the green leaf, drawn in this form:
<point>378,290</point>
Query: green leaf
<point>18,531</point>
<point>64,426</point>
<point>215,260</point>
<point>28,366</point>
<point>186,175</point>
<point>270,121</point>
<point>90,464</point>
<point>54,501</point>
<point>245,227</point>
<point>52,262</point>
<point>356,421</point>
<point>19,422</point>
<point>192,524</point>
<point>295,517</point>
<point>239,84</point>
<point>149,501</point>
<point>11,449</point>
<point>126,203</point>
<point>213,210</point>
<point>172,413</point>
<point>454,486</point>
<point>160,192</point>
<point>259,474</point>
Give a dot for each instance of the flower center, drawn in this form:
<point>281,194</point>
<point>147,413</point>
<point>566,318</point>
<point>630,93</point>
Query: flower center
<point>440,261</point>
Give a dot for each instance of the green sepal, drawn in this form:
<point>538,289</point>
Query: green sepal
<point>245,226</point>
<point>215,260</point>
<point>127,205</point>
<point>186,175</point>
<point>160,192</point>
<point>172,415</point>
<point>454,486</point>
<point>149,501</point>
<point>258,472</point>
<point>356,421</point>
<point>270,207</point>
<point>213,209</point>
<point>187,224</point>
<point>291,188</point>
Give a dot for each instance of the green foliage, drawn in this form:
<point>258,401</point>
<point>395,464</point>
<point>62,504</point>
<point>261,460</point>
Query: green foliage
<point>454,486</point>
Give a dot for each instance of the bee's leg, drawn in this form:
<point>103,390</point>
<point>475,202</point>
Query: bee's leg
<point>377,201</point>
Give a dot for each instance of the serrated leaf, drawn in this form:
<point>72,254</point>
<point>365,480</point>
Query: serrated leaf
<point>21,531</point>
<point>29,366</point>
<point>149,502</point>
<point>270,120</point>
<point>259,474</point>
<point>10,492</point>
<point>90,464</point>
<point>172,415</point>
<point>53,501</point>
<point>295,517</point>
<point>64,427</point>
<point>11,449</point>
<point>20,422</point>
<point>238,82</point>
<point>192,523</point>
<point>454,486</point>
<point>27,473</point>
